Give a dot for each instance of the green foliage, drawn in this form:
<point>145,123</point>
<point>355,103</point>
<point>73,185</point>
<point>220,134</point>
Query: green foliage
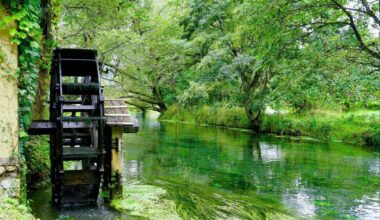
<point>11,209</point>
<point>37,152</point>
<point>353,127</point>
<point>196,94</point>
<point>25,19</point>
<point>27,36</point>
<point>249,55</point>
<point>222,115</point>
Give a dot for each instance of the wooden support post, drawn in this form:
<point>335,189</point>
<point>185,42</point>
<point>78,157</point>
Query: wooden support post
<point>117,161</point>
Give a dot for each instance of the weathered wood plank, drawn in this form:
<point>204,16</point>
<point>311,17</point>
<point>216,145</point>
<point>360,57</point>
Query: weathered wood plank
<point>42,127</point>
<point>80,177</point>
<point>80,88</point>
<point>78,153</point>
<point>78,108</point>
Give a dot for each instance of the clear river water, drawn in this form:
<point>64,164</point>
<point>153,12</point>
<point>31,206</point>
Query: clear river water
<point>217,173</point>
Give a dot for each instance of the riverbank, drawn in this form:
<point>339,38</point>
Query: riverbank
<point>36,175</point>
<point>11,208</point>
<point>359,127</point>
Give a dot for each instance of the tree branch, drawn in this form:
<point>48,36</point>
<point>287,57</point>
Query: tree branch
<point>370,12</point>
<point>356,31</point>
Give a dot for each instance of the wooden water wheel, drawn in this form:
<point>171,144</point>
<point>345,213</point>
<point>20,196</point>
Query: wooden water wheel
<point>76,127</point>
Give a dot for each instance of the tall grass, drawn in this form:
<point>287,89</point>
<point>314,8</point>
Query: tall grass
<point>218,116</point>
<point>361,126</point>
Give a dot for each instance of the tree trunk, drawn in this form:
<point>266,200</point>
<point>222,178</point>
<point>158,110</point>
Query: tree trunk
<point>157,94</point>
<point>39,105</point>
<point>162,107</point>
<point>254,119</point>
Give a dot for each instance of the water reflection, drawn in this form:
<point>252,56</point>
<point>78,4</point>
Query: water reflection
<point>316,180</point>
<point>369,207</point>
<point>133,169</point>
<point>374,167</point>
<point>270,152</point>
<point>301,201</point>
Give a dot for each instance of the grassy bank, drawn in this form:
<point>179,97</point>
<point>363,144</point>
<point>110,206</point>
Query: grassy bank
<point>13,209</point>
<point>360,126</point>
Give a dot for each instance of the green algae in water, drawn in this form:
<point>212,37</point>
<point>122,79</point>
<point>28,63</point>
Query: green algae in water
<point>198,202</point>
<point>169,199</point>
<point>146,201</point>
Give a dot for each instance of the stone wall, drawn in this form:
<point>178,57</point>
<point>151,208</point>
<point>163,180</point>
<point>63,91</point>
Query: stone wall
<point>9,182</point>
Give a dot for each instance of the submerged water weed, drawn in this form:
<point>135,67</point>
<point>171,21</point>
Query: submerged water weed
<point>168,199</point>
<point>146,201</point>
<point>200,202</point>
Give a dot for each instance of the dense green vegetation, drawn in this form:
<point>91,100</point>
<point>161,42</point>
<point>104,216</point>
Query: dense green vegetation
<point>308,67</point>
<point>240,58</point>
<point>12,209</point>
<point>30,20</point>
<point>27,35</point>
<point>359,126</point>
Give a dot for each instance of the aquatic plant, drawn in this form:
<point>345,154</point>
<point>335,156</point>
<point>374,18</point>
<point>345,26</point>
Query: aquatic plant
<point>171,199</point>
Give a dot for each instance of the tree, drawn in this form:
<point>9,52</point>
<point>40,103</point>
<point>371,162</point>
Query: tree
<point>139,48</point>
<point>357,22</point>
<point>248,49</point>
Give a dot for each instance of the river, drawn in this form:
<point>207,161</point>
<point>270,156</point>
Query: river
<point>206,172</point>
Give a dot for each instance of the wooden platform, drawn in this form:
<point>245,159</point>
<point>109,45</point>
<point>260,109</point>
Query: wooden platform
<point>116,113</point>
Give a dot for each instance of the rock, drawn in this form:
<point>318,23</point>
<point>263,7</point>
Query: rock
<point>11,186</point>
<point>2,170</point>
<point>13,174</point>
<point>6,184</point>
<point>11,169</point>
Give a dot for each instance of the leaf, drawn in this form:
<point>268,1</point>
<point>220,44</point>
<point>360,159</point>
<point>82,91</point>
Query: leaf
<point>22,134</point>
<point>22,34</point>
<point>7,19</point>
<point>16,41</point>
<point>22,92</point>
<point>2,24</point>
<point>13,32</point>
<point>34,44</point>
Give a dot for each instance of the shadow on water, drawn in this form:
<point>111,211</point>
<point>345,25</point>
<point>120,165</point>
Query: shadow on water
<point>43,209</point>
